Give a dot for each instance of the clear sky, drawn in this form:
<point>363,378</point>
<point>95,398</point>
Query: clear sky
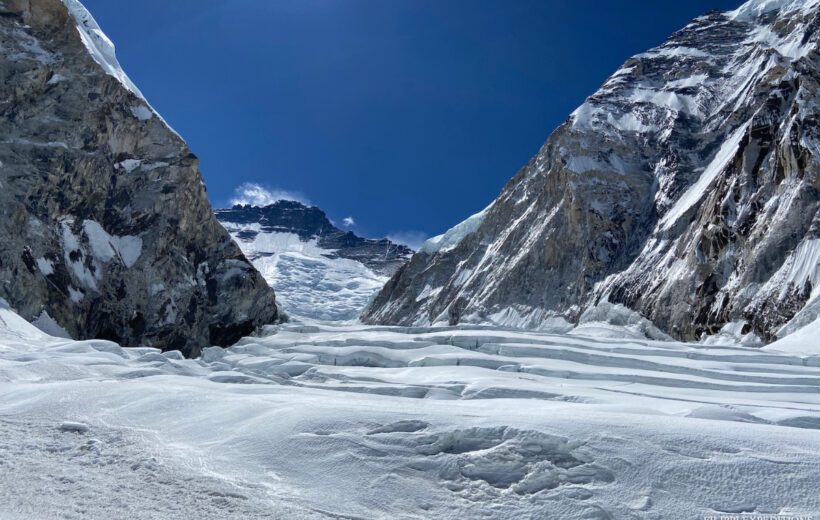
<point>406,115</point>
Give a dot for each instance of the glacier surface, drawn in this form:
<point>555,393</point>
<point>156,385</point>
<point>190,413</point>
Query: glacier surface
<point>320,420</point>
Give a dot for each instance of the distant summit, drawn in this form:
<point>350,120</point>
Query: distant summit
<point>323,272</point>
<point>311,223</point>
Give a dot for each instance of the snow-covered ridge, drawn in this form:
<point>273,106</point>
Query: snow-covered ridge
<point>754,9</point>
<point>98,44</point>
<point>687,94</point>
<point>450,239</point>
<point>102,49</point>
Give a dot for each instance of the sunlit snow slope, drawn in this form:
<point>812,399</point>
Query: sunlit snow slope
<point>314,421</point>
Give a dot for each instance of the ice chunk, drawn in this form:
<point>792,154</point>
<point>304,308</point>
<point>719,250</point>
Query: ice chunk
<point>73,427</point>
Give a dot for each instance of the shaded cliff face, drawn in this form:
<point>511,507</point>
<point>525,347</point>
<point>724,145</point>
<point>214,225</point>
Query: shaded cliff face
<point>319,270</point>
<point>105,225</point>
<point>685,188</point>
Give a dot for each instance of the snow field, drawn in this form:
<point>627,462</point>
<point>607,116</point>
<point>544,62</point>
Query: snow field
<point>318,420</point>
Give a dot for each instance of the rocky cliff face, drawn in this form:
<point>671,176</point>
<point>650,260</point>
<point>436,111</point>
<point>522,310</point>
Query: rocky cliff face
<point>685,188</point>
<point>105,228</point>
<point>319,270</point>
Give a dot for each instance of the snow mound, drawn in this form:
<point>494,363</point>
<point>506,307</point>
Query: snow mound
<point>805,340</point>
<point>615,320</point>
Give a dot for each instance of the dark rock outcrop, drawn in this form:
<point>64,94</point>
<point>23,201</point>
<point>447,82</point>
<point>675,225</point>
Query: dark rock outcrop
<point>105,226</point>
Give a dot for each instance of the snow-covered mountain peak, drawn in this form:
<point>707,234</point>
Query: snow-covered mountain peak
<point>704,71</point>
<point>683,188</point>
<point>756,9</point>
<point>319,270</point>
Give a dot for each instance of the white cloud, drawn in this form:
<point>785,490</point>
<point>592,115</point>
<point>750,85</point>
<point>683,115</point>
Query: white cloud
<point>411,239</point>
<point>349,222</point>
<point>251,193</point>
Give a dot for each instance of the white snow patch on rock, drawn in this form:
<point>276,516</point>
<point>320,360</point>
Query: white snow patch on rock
<point>142,112</point>
<point>57,78</point>
<point>106,247</point>
<point>428,292</point>
<point>45,266</point>
<point>73,254</point>
<point>129,165</point>
<point>75,295</point>
<point>697,190</point>
<point>691,81</point>
<point>803,267</point>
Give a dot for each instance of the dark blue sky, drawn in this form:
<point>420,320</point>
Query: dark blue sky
<point>408,115</point>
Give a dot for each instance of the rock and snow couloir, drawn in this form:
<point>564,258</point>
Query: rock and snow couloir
<point>685,189</point>
<point>105,226</point>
